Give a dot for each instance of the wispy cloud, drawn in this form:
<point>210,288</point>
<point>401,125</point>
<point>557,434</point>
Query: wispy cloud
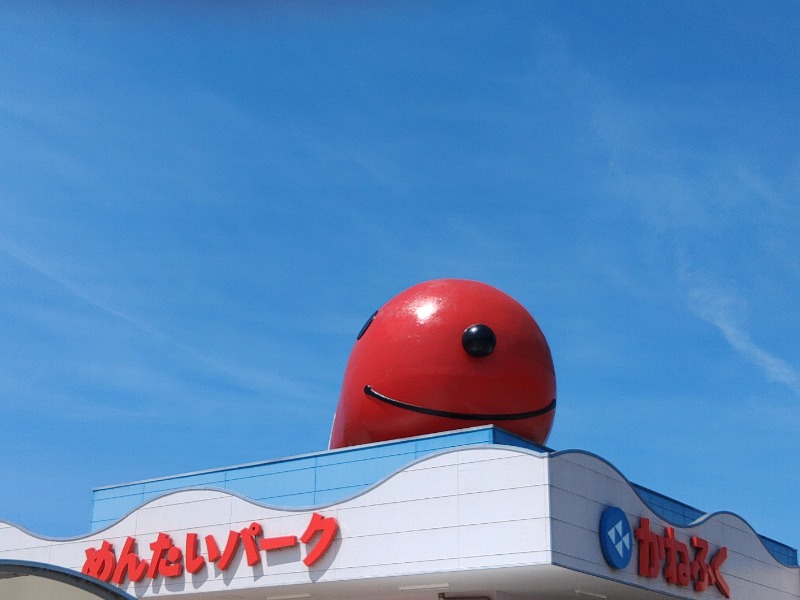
<point>726,311</point>
<point>12,250</point>
<point>258,380</point>
<point>703,204</point>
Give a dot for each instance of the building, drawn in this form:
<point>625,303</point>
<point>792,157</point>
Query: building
<point>474,513</point>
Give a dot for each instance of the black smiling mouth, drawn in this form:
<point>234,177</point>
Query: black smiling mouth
<point>457,415</point>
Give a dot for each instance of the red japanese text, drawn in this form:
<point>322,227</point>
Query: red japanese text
<point>679,568</point>
<point>168,559</point>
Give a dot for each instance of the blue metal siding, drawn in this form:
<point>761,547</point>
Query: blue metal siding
<point>320,478</point>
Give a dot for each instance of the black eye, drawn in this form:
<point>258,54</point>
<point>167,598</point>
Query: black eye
<point>478,340</point>
<point>366,325</point>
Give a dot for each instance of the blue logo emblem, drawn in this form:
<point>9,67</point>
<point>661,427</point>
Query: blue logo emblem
<point>616,538</point>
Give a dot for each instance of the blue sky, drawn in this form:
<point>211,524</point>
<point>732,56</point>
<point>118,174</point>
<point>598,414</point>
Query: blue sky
<point>200,205</point>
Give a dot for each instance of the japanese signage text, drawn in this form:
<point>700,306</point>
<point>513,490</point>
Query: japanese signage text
<point>679,567</point>
<point>167,559</point>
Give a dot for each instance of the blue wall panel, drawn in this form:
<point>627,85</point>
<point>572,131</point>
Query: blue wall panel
<point>290,464</point>
<point>214,479</point>
<point>114,508</point>
<point>360,472</point>
<point>284,483</point>
<point>120,490</point>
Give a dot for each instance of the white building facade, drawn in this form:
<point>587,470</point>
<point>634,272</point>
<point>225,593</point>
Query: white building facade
<point>476,513</point>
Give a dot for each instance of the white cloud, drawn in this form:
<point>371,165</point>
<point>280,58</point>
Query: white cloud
<point>725,310</point>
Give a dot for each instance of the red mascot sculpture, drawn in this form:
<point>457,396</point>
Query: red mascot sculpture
<point>442,355</point>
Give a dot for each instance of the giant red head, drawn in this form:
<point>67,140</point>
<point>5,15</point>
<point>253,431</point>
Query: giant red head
<point>446,354</point>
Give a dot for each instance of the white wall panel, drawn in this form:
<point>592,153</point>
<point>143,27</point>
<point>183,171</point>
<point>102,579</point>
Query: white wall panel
<point>505,560</point>
<point>510,471</point>
<point>401,547</point>
<point>513,504</point>
<point>504,538</point>
<point>487,453</point>
<point>394,517</point>
<point>183,512</point>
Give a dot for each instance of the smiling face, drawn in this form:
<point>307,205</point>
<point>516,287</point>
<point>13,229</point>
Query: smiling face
<point>443,355</point>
